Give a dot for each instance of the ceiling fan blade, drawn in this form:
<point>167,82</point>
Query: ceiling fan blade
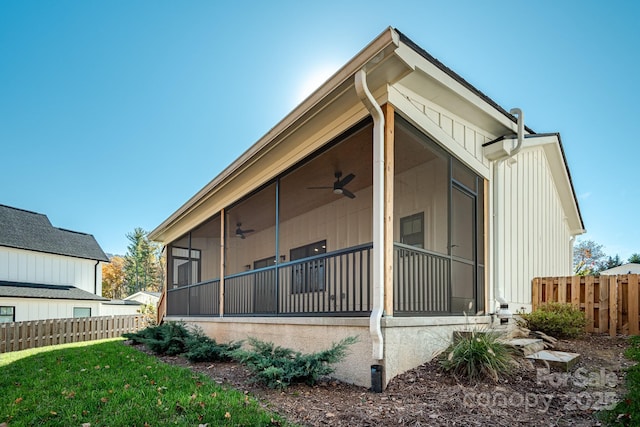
<point>347,179</point>
<point>348,193</point>
<point>251,230</point>
<point>318,188</point>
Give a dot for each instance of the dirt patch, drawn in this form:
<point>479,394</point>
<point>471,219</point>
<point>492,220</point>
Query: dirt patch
<point>425,396</point>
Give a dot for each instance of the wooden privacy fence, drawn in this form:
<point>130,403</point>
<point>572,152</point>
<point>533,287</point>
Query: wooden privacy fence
<point>39,333</point>
<point>610,303</point>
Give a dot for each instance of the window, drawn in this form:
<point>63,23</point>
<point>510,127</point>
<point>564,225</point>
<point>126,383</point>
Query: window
<point>308,276</point>
<point>265,262</point>
<point>412,230</point>
<point>7,314</point>
<point>81,312</point>
<point>181,263</point>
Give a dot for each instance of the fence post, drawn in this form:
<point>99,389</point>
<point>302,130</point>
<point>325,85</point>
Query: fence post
<point>633,304</point>
<point>575,291</point>
<point>613,306</point>
<point>535,293</point>
<point>603,304</point>
<point>589,290</point>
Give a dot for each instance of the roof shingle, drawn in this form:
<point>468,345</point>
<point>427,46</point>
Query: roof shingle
<point>28,230</point>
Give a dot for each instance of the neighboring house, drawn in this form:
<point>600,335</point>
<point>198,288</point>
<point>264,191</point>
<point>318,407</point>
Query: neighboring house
<point>145,297</point>
<point>396,203</point>
<point>133,304</point>
<point>47,272</point>
<point>629,268</point>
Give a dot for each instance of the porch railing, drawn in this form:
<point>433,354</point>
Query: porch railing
<point>335,283</point>
<point>201,299</point>
<point>421,282</point>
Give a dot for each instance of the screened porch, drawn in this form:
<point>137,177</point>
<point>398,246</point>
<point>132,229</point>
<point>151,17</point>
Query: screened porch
<point>301,244</point>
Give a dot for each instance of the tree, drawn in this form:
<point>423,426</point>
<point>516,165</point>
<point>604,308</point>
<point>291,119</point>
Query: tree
<point>142,266</point>
<point>634,258</point>
<point>588,257</point>
<point>610,262</point>
<point>113,278</point>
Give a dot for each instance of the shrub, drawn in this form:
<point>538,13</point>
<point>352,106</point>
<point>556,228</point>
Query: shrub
<point>278,367</point>
<point>168,338</point>
<point>556,319</point>
<point>201,348</point>
<point>477,355</point>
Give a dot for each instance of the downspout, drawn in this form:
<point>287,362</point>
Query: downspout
<point>95,278</point>
<point>378,212</point>
<point>503,311</point>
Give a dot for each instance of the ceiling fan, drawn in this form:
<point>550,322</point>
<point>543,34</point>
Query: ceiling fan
<point>241,233</point>
<point>338,185</point>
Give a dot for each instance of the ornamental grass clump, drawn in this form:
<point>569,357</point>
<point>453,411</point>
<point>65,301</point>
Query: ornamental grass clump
<point>477,355</point>
<point>556,319</point>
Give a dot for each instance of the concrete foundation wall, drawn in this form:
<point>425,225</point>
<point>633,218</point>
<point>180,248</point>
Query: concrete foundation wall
<point>409,342</point>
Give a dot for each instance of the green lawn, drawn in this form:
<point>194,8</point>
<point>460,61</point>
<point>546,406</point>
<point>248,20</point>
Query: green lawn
<point>106,383</point>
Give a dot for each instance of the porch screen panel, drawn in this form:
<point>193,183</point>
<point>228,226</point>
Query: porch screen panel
<point>441,272</point>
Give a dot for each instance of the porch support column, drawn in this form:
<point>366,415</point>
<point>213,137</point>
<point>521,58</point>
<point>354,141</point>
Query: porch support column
<point>389,172</point>
<point>222,255</point>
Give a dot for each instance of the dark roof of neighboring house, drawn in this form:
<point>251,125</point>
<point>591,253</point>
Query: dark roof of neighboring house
<point>38,290</point>
<point>32,231</point>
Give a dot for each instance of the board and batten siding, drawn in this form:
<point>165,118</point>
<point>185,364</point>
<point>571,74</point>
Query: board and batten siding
<point>535,238</point>
<point>18,265</point>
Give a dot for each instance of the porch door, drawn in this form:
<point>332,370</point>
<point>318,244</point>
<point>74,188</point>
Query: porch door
<point>463,250</point>
<point>265,287</point>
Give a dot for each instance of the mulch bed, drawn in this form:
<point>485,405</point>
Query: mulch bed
<point>424,396</point>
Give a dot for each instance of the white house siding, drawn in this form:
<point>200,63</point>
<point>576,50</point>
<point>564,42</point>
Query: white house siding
<point>534,238</point>
<point>118,309</point>
<point>40,309</point>
<point>19,265</point>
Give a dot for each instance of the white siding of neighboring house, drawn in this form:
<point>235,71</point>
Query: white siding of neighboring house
<point>19,265</point>
<point>119,309</point>
<point>534,236</point>
<point>40,309</point>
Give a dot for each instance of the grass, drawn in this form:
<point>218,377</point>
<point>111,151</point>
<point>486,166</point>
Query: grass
<point>107,383</point>
<point>627,411</point>
<point>476,355</point>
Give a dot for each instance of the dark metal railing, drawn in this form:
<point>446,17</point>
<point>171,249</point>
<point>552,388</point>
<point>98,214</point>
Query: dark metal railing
<point>335,283</point>
<point>200,299</point>
<point>421,283</point>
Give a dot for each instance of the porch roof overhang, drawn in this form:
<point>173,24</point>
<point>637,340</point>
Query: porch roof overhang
<point>333,108</point>
<point>551,143</point>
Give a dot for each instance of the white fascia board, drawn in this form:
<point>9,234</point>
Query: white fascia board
<point>373,53</point>
<point>456,88</point>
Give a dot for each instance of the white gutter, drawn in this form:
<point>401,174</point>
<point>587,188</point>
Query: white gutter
<point>378,212</point>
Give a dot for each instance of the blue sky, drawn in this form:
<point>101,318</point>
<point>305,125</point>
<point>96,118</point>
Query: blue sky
<point>114,113</point>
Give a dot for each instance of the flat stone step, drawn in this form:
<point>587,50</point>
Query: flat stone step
<point>526,346</point>
<point>559,359</point>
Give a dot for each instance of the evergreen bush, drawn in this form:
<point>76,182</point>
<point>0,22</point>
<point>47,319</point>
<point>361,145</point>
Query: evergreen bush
<point>168,338</point>
<point>556,319</point>
<point>278,367</point>
<point>201,348</point>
